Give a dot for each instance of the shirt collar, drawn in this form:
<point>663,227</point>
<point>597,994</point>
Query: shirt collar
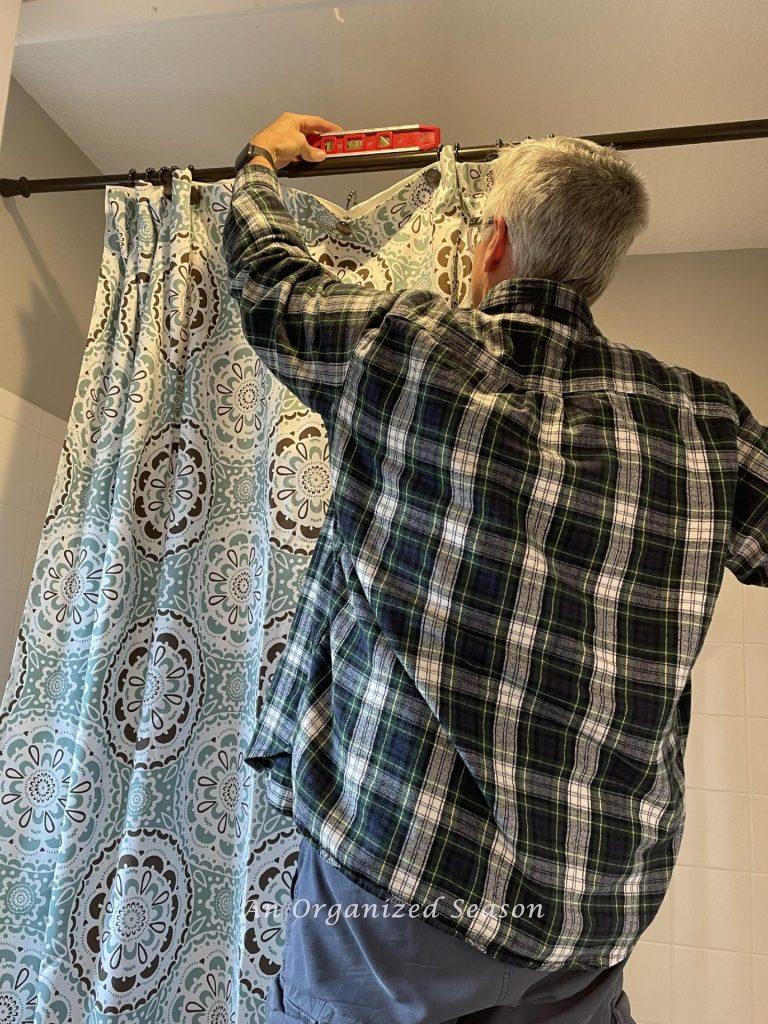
<point>539,297</point>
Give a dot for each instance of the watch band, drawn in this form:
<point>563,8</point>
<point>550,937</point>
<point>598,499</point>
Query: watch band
<point>248,152</point>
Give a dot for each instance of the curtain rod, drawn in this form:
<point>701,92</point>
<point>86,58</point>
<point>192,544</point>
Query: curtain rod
<point>726,131</point>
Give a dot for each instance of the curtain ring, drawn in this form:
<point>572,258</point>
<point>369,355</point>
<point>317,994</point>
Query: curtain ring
<point>148,174</point>
<point>132,177</point>
<point>500,144</point>
<point>24,187</point>
<point>191,169</point>
<point>456,147</point>
<point>167,185</point>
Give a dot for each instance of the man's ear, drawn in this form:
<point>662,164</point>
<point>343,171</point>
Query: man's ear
<point>497,245</point>
<point>502,234</point>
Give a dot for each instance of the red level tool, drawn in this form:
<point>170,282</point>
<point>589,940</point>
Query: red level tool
<point>402,138</point>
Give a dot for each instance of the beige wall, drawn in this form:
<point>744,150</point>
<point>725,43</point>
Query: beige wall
<point>704,310</point>
<point>50,252</point>
<point>9,18</point>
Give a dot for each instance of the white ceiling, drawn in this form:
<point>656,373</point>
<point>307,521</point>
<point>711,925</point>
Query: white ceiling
<point>186,81</point>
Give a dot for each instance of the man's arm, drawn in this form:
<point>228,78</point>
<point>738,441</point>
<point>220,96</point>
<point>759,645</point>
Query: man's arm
<point>301,320</point>
<point>748,545</point>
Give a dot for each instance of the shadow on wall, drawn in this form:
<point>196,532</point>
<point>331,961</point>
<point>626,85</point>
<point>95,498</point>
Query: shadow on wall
<point>50,252</point>
<point>49,315</point>
<point>42,341</point>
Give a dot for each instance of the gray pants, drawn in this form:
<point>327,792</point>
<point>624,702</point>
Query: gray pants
<point>402,970</point>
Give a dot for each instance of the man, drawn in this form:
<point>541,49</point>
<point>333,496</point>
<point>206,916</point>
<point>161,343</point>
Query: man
<point>479,720</point>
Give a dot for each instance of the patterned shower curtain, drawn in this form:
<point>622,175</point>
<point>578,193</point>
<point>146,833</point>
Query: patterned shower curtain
<point>142,873</point>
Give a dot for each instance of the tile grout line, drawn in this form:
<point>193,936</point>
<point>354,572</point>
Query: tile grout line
<point>731,871</point>
<point>733,643</point>
<point>728,792</point>
<point>714,714</point>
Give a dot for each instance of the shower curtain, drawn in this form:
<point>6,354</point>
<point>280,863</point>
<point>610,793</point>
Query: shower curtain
<point>142,873</point>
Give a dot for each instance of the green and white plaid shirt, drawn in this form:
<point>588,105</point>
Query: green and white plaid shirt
<point>485,694</point>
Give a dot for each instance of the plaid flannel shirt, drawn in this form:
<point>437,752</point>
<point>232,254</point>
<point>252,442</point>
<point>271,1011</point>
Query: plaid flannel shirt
<point>484,699</point>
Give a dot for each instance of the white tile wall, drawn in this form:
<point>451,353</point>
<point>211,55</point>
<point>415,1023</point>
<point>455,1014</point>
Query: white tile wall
<point>650,1003</point>
<point>30,443</point>
<point>704,959</point>
<point>710,987</point>
<point>716,831</point>
<point>756,675</point>
<point>711,934</point>
<point>711,909</point>
<point>756,616</point>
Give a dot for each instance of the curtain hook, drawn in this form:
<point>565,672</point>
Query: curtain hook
<point>456,147</point>
<point>132,177</point>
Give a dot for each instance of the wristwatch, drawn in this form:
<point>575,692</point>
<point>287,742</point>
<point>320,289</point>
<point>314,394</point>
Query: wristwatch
<point>248,152</point>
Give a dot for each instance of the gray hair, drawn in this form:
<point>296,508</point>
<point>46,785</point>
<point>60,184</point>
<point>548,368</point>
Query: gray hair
<point>572,209</point>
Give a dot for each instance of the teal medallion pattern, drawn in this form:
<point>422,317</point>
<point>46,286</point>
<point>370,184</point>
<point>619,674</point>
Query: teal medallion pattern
<point>143,876</point>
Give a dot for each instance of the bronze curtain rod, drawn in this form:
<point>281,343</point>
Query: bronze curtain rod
<point>726,131</point>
